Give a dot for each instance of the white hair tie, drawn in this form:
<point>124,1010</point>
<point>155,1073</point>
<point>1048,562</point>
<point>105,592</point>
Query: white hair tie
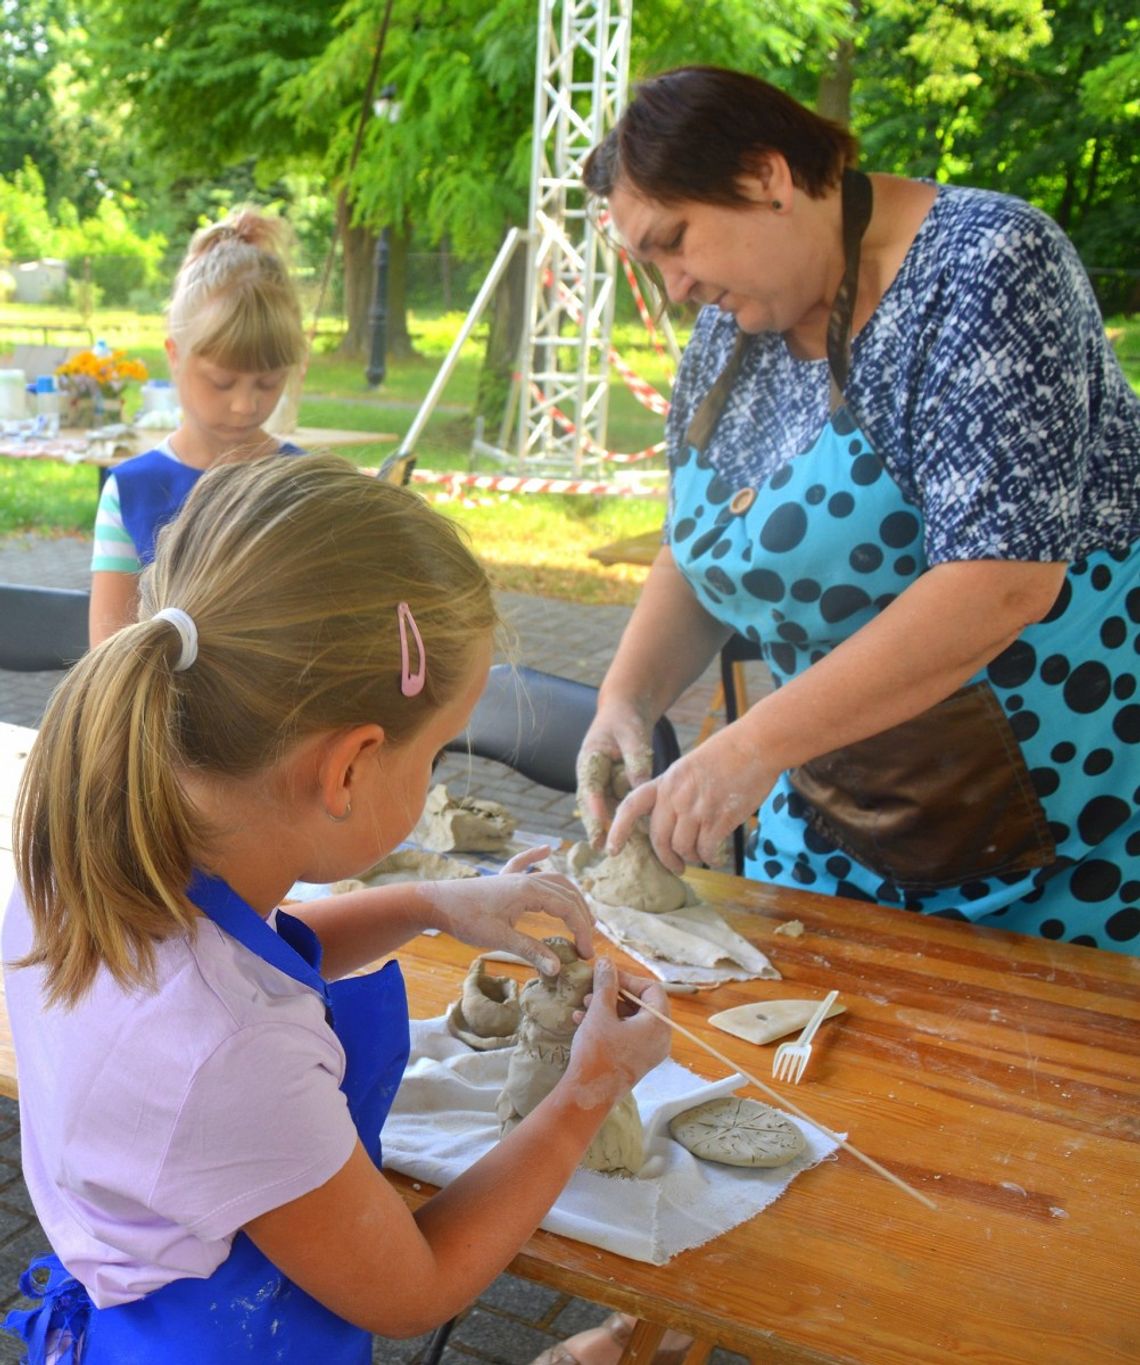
<point>183,623</point>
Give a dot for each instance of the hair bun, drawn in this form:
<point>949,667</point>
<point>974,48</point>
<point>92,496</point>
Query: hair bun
<point>245,226</point>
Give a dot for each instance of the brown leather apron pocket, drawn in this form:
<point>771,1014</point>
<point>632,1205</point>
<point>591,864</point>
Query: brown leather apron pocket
<point>941,799</point>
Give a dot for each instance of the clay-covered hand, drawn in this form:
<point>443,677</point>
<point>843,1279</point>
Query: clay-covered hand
<point>616,755</point>
<point>483,911</point>
<point>616,1043</point>
<point>694,806</point>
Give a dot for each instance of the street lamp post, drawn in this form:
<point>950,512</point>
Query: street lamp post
<point>385,107</point>
<point>378,315</point>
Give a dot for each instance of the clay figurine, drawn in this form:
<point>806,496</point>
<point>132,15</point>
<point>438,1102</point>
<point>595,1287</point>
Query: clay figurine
<point>486,1015</point>
<point>546,1029</point>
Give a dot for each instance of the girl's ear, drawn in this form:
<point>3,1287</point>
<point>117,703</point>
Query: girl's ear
<point>171,353</point>
<point>341,760</point>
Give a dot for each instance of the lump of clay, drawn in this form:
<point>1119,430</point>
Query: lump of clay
<point>486,1015</point>
<point>546,1029</point>
<point>635,877</point>
<point>414,865</point>
<point>736,1132</point>
<point>466,825</point>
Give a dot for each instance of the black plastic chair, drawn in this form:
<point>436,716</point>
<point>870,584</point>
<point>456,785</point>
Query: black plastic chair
<point>535,722</point>
<point>41,628</point>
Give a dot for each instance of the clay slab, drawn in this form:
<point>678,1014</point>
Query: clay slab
<point>768,1020</point>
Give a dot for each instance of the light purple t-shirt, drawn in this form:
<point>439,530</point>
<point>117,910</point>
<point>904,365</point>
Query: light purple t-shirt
<point>154,1125</point>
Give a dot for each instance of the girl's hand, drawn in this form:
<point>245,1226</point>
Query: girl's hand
<point>483,911</point>
<point>618,733</point>
<point>697,803</point>
<point>616,1043</point>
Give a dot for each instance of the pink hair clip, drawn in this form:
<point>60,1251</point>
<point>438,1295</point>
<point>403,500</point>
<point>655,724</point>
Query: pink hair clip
<point>411,684</point>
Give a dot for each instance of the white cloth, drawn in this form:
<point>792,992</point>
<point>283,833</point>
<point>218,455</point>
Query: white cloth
<point>707,949</point>
<point>444,1119</point>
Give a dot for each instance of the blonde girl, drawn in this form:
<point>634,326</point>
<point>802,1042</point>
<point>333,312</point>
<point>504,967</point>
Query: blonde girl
<point>202,1084</point>
<point>235,343</point>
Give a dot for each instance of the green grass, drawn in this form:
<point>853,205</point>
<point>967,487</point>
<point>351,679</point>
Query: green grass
<point>535,544</point>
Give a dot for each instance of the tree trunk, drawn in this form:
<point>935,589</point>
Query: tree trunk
<point>359,249</point>
<point>836,79</point>
<point>508,318</point>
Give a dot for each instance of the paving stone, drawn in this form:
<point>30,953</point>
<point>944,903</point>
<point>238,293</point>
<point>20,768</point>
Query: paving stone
<point>492,1337</point>
<point>523,1299</point>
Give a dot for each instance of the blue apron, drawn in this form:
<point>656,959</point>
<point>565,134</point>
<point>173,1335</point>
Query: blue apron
<point>245,1310</point>
<point>1015,802</point>
<point>152,487</point>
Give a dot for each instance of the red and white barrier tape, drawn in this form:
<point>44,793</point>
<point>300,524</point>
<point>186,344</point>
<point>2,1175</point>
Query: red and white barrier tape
<point>588,442</point>
<point>641,389</point>
<point>513,483</point>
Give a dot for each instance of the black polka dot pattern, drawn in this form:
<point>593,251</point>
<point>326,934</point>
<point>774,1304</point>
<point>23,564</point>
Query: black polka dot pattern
<point>829,542</point>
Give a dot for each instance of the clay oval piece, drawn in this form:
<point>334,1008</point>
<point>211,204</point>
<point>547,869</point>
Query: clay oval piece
<point>738,1132</point>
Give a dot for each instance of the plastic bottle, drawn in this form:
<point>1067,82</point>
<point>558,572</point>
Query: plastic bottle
<point>13,399</point>
<point>49,406</point>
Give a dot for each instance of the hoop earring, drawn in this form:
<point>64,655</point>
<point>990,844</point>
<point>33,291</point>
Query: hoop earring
<point>340,819</point>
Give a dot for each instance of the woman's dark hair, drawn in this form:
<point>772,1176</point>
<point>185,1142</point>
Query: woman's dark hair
<point>690,134</point>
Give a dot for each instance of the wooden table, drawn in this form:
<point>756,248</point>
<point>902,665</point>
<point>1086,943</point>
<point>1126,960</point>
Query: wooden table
<point>74,446</point>
<point>996,1073</point>
<point>641,550</point>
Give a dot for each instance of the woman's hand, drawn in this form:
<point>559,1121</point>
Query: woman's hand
<point>483,911</point>
<point>618,734</point>
<point>616,1043</point>
<point>695,805</point>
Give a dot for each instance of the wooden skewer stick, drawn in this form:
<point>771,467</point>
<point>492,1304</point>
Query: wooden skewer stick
<point>783,1101</point>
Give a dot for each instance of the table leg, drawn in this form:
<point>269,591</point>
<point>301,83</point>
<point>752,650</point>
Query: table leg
<point>643,1343</point>
<point>645,1340</point>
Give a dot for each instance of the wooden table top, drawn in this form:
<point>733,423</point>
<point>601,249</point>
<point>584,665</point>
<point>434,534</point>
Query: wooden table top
<point>641,550</point>
<point>74,446</point>
<point>996,1073</point>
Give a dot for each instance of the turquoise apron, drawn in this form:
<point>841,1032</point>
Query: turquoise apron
<point>245,1310</point>
<point>1016,801</point>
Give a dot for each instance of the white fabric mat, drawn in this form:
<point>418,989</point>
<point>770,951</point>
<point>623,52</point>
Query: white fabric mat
<point>443,1120</point>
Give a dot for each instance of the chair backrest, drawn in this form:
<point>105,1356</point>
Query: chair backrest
<point>535,722</point>
<point>41,628</point>
<point>36,361</point>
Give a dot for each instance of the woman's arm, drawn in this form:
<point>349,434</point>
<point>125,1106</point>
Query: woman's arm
<point>354,1245</point>
<point>666,646</point>
<point>931,639</point>
<point>114,604</point>
<point>359,927</point>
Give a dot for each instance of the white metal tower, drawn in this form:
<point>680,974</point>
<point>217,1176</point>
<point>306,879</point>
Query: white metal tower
<point>581,74</point>
<point>556,418</point>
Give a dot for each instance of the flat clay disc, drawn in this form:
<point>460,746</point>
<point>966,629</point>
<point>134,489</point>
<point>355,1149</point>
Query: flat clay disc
<point>736,1132</point>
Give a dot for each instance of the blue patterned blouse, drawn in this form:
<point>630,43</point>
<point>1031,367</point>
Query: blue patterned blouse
<point>984,381</point>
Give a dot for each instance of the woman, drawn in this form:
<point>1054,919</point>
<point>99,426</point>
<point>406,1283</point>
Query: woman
<point>906,461</point>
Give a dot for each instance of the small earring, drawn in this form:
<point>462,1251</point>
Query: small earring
<point>340,819</point>
<point>776,205</point>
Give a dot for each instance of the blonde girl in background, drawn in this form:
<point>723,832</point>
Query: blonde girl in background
<point>201,1089</point>
<point>235,343</point>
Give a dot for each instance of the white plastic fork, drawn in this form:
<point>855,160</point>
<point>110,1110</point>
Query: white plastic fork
<point>790,1060</point>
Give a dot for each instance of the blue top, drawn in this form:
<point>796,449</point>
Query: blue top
<point>984,380</point>
<point>151,489</point>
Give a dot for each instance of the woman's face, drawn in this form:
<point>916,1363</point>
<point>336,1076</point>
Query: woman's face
<point>749,260</point>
